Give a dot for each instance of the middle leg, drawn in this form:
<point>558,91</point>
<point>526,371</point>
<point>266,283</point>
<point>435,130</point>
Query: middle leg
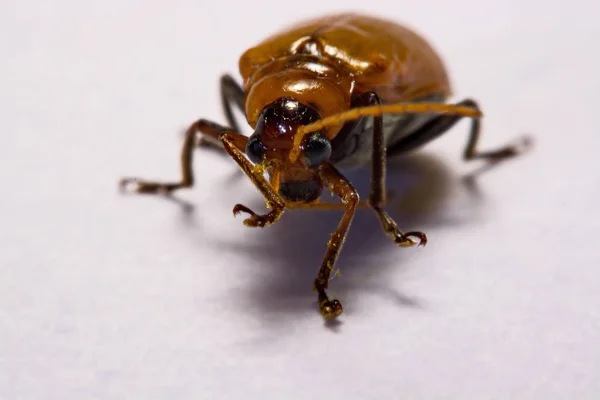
<point>377,195</point>
<point>232,95</point>
<point>205,127</point>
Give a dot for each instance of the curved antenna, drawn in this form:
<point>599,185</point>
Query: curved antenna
<point>356,113</point>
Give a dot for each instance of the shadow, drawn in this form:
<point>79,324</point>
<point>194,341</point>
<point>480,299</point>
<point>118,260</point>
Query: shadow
<point>334,325</point>
<point>290,252</point>
<point>419,186</point>
<point>292,249</point>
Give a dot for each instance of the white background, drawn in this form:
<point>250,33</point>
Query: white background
<point>105,296</point>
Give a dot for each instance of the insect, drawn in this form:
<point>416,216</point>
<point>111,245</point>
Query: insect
<point>328,93</point>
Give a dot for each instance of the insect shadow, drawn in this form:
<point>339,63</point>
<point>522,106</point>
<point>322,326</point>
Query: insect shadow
<point>290,251</point>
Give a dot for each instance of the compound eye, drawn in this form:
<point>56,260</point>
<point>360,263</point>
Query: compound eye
<point>255,150</point>
<point>317,150</point>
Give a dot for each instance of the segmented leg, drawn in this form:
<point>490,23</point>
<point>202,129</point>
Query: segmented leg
<point>443,123</point>
<point>341,187</point>
<point>207,128</point>
<point>377,195</point>
<point>273,199</point>
<point>231,94</point>
<point>234,144</point>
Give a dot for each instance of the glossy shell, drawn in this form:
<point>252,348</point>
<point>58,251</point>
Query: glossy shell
<point>378,54</point>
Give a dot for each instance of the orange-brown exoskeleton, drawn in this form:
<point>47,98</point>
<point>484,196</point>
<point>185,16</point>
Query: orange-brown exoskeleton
<point>341,90</point>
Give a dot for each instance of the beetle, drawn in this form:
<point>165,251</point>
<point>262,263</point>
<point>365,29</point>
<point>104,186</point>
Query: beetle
<point>325,94</point>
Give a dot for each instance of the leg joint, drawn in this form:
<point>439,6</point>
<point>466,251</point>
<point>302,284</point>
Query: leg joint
<point>352,199</point>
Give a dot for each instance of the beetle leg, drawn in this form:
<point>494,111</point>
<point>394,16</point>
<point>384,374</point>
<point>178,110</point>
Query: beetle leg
<point>232,94</point>
<point>202,126</point>
<point>443,123</point>
<point>338,185</point>
<point>326,206</point>
<point>377,195</point>
<point>273,199</point>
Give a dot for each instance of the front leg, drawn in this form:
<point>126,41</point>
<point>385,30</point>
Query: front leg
<point>339,186</point>
<point>274,201</point>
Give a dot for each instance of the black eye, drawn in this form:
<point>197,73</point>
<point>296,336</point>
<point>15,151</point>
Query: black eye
<point>317,150</point>
<point>255,150</point>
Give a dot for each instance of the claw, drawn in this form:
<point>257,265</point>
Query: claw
<point>239,208</point>
<point>255,220</point>
<point>331,309</point>
<point>406,241</point>
<point>125,182</point>
<point>524,144</point>
<point>518,147</point>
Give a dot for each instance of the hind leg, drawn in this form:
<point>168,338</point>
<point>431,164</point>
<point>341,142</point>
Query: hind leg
<point>442,124</point>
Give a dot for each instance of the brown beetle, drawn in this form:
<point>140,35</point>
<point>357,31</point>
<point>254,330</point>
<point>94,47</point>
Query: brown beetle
<point>342,90</point>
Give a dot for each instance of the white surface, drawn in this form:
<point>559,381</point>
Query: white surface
<point>104,296</point>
